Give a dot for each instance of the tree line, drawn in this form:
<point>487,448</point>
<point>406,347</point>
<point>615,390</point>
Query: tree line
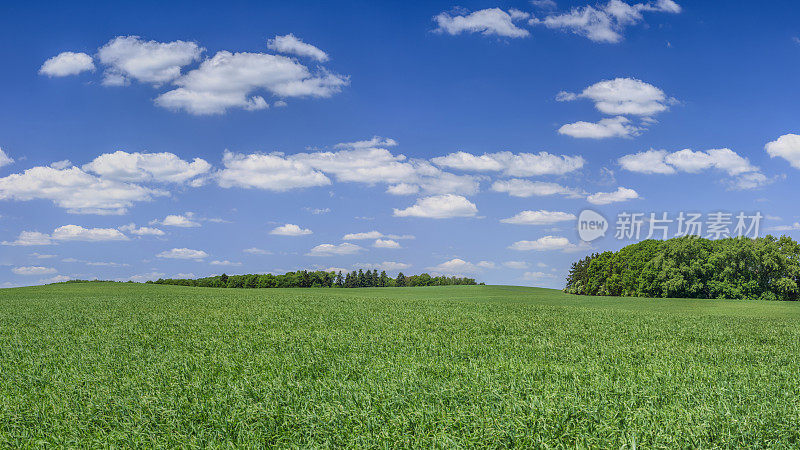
<point>319,278</point>
<point>765,268</point>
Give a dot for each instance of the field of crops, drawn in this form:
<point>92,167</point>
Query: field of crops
<point>142,365</point>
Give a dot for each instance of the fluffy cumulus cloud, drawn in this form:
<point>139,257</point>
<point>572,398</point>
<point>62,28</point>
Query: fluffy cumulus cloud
<point>374,235</point>
<point>540,217</point>
<point>606,198</point>
<point>30,238</point>
<point>604,22</point>
<point>526,188</point>
<point>786,147</point>
<point>623,96</point>
<point>602,129</point>
<point>67,63</point>
<point>489,22</point>
<point>183,253</point>
<point>131,58</point>
<point>231,80</point>
<point>619,97</point>
<point>334,249</point>
<point>79,233</point>
<point>178,220</point>
<point>510,164</point>
<point>68,233</point>
<point>5,159</point>
<point>272,172</point>
<point>374,141</point>
<point>146,167</point>
<point>357,164</point>
<point>386,243</point>
<point>228,80</point>
<point>745,175</point>
<point>33,270</point>
<point>225,263</point>
<point>141,231</point>
<point>458,266</point>
<point>439,207</point>
<point>292,45</point>
<point>546,243</point>
<point>290,229</point>
<point>364,235</point>
<point>75,190</point>
<point>257,251</point>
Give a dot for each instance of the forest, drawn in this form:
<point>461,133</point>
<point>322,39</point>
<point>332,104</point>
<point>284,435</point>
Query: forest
<point>766,268</point>
<point>319,278</point>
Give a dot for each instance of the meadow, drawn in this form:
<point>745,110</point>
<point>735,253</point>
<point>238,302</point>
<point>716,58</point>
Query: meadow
<point>130,365</point>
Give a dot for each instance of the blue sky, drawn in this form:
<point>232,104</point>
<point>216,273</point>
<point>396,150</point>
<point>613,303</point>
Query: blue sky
<point>169,117</point>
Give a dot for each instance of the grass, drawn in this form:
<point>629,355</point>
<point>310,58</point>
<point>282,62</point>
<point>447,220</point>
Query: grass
<point>161,366</point>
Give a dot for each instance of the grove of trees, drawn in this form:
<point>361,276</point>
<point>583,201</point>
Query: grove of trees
<point>765,268</point>
<point>319,278</point>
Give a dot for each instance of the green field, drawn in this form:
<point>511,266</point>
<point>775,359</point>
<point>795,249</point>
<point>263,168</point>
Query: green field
<point>141,365</point>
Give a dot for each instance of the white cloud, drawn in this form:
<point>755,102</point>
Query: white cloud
<point>290,229</point>
<point>386,243</point>
<point>403,189</point>
<point>141,231</point>
<point>55,279</point>
<point>30,238</point>
<point>651,161</point>
<point>141,278</point>
<point>75,190</point>
<point>516,264</point>
<point>63,164</point>
<point>491,21</point>
<point>364,235</point>
<point>518,165</point>
<point>292,45</point>
<point>439,207</point>
<point>458,266</point>
<point>723,159</point>
<point>146,167</point>
<point>333,249</point>
<point>605,198</point>
<point>604,128</point>
<point>375,141</point>
<point>745,175</point>
<point>42,256</point>
<point>786,147</point>
<point>388,266</point>
<point>623,96</point>
<point>79,233</point>
<point>368,165</point>
<point>793,227</point>
<point>546,243</point>
<point>225,263</point>
<point>130,57</point>
<point>230,80</point>
<point>540,217</point>
<point>67,63</point>
<point>271,172</point>
<point>34,270</point>
<point>525,188</point>
<point>605,23</point>
<point>183,253</point>
<point>257,251</point>
<point>178,220</point>
<point>537,275</point>
<point>5,159</point>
